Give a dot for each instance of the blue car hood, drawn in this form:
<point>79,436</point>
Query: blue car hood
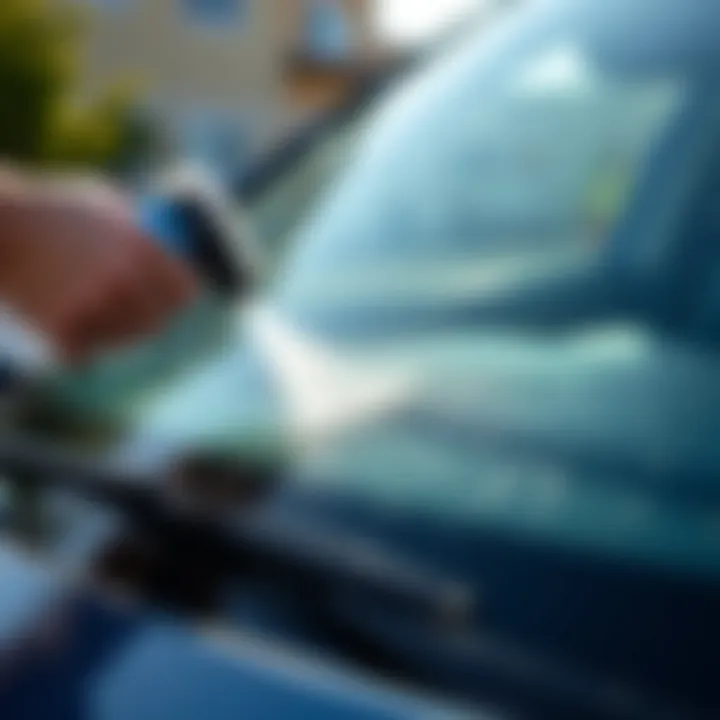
<point>72,655</point>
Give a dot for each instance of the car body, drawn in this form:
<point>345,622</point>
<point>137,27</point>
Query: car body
<point>493,355</point>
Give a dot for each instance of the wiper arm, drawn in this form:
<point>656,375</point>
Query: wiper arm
<point>322,561</point>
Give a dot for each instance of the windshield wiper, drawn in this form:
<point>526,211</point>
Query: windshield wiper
<point>321,561</point>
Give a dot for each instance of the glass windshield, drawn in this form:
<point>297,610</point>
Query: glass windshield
<point>567,145</point>
<point>521,156</point>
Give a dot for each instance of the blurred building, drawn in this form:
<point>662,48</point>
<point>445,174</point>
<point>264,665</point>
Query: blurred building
<point>228,77</point>
<point>330,46</point>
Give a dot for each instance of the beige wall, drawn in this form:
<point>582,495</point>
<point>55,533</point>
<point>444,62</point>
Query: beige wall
<point>240,71</point>
<point>180,64</point>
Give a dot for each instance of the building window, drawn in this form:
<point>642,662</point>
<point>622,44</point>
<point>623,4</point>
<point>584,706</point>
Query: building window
<point>218,139</point>
<point>217,13</point>
<point>327,31</point>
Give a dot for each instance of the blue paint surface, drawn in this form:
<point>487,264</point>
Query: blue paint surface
<point>110,661</point>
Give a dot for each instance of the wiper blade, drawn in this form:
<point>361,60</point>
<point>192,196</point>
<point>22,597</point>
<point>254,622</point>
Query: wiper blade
<point>323,561</point>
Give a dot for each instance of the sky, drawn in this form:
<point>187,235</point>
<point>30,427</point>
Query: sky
<point>410,21</point>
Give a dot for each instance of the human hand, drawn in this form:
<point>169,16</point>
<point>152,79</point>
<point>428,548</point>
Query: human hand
<point>75,265</point>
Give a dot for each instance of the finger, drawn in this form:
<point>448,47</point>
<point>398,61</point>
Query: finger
<point>92,195</point>
<point>111,310</point>
<point>130,310</point>
<point>148,290</point>
<point>172,280</point>
<point>123,317</point>
<point>68,329</point>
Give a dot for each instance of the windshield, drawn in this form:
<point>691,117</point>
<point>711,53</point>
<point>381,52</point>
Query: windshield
<point>573,143</point>
<point>522,156</point>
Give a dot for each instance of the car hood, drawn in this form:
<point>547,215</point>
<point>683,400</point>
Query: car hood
<point>75,653</point>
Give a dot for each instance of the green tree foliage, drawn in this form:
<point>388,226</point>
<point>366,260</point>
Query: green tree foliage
<point>42,121</point>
